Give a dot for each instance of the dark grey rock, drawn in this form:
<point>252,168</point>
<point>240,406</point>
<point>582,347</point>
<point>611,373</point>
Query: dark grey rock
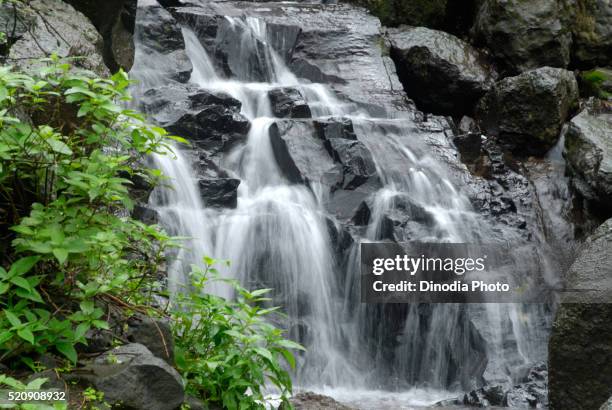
<point>161,41</point>
<point>440,72</point>
<point>133,376</point>
<point>523,35</point>
<point>313,401</point>
<point>580,346</point>
<point>588,149</point>
<point>219,192</point>
<point>64,31</point>
<point>592,30</point>
<point>527,111</point>
<point>301,155</point>
<point>145,214</point>
<point>288,103</point>
<point>115,21</point>
<point>211,120</point>
<point>154,334</point>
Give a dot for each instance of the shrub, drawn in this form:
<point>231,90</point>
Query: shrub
<point>67,151</point>
<point>228,350</point>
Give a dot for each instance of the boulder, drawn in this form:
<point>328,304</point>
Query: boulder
<point>145,214</point>
<point>588,149</point>
<point>525,34</point>
<point>219,192</point>
<point>154,334</point>
<point>288,103</point>
<point>357,162</point>
<point>14,23</point>
<point>161,43</point>
<point>440,72</point>
<point>314,401</point>
<point>580,346</point>
<point>115,21</point>
<point>63,31</point>
<point>132,376</point>
<point>301,155</point>
<point>212,120</point>
<point>452,16</point>
<point>607,405</point>
<point>527,111</point>
<point>592,33</point>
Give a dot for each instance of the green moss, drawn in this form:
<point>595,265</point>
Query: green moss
<point>596,82</point>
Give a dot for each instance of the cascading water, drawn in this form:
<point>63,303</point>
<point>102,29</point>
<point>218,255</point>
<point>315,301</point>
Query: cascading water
<point>278,237</point>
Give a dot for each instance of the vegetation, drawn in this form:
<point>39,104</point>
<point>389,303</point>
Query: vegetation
<point>71,254</point>
<point>596,82</point>
<point>229,356</point>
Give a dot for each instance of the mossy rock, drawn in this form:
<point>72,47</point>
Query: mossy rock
<point>596,83</point>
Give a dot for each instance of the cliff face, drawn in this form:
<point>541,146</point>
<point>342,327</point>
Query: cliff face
<point>580,348</point>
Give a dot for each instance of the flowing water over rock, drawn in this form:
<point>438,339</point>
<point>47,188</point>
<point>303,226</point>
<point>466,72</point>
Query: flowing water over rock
<point>350,161</point>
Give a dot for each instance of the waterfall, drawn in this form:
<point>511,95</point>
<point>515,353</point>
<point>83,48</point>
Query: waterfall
<point>278,237</point>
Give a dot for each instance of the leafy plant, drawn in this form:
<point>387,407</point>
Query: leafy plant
<point>227,350</point>
<point>9,383</point>
<point>68,151</point>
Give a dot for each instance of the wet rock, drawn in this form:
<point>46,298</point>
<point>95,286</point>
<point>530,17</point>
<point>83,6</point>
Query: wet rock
<point>469,146</point>
<point>440,72</point>
<point>63,31</point>
<point>607,405</point>
<point>154,334</point>
<point>581,338</point>
<point>115,21</point>
<point>145,214</point>
<point>588,149</point>
<point>161,41</point>
<point>527,111</point>
<point>592,33</point>
<point>523,35</point>
<point>220,192</point>
<point>288,103</point>
<point>301,155</point>
<point>14,23</point>
<point>356,159</point>
<point>313,401</point>
<point>211,120</point>
<point>133,376</point>
<point>331,128</point>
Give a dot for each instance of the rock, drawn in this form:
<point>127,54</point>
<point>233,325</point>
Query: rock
<point>314,401</point>
<point>301,155</point>
<point>596,83</point>
<point>220,192</point>
<point>195,404</point>
<point>592,33</point>
<point>63,31</point>
<point>154,334</point>
<point>337,127</point>
<point>115,21</point>
<point>588,149</point>
<point>161,42</point>
<point>132,376</point>
<point>211,120</point>
<point>288,103</point>
<point>607,405</point>
<point>446,15</point>
<point>469,146</point>
<point>580,346</point>
<point>145,214</point>
<point>356,159</point>
<point>527,111</point>
<point>15,22</point>
<point>523,35</point>
<point>440,72</point>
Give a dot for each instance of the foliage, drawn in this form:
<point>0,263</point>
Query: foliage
<point>227,350</point>
<point>67,154</point>
<point>596,82</point>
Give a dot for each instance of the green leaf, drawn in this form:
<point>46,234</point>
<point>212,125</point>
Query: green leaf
<point>21,282</point>
<point>26,335</point>
<point>290,344</point>
<point>23,265</point>
<point>59,146</point>
<point>61,255</point>
<point>12,318</point>
<point>4,286</point>
<point>68,350</point>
